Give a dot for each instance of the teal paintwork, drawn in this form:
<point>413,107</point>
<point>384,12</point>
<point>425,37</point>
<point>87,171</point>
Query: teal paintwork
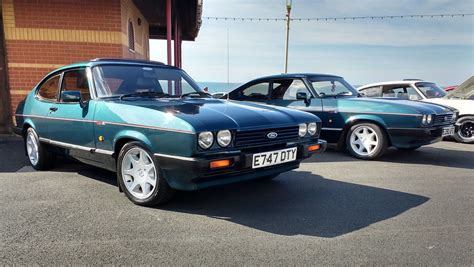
<point>168,127</point>
<point>401,119</point>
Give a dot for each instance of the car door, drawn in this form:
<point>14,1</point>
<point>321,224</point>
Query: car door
<point>72,123</point>
<point>333,114</point>
<point>46,96</point>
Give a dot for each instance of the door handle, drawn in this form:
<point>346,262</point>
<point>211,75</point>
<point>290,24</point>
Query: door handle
<point>53,109</point>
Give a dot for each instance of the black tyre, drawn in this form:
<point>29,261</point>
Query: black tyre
<point>40,157</point>
<point>366,141</point>
<point>465,133</point>
<point>140,177</point>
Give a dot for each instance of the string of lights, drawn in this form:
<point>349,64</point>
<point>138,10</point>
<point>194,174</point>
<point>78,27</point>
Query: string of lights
<point>423,16</point>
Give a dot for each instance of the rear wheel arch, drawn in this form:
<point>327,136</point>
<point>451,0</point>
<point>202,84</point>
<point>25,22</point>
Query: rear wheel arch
<point>25,129</point>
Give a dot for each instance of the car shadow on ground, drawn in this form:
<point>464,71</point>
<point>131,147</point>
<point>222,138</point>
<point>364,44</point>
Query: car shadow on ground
<point>424,155</point>
<point>297,203</point>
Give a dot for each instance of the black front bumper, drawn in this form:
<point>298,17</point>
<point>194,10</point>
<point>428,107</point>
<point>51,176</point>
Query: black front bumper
<point>412,137</point>
<point>197,172</point>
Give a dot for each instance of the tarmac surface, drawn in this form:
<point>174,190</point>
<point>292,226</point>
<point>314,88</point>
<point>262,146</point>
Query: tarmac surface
<point>406,208</point>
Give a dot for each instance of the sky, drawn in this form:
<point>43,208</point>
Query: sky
<point>362,51</point>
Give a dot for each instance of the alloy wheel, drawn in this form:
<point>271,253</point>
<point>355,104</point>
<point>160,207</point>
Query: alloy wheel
<point>139,173</point>
<point>32,148</point>
<point>466,130</point>
<point>364,140</point>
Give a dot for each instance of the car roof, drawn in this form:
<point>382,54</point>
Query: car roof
<point>114,61</point>
<point>292,76</point>
<point>392,82</point>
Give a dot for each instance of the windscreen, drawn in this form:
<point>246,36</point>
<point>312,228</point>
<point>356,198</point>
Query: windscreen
<point>430,90</point>
<point>118,80</point>
<point>331,86</point>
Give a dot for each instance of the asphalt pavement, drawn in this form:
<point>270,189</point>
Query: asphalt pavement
<point>414,208</point>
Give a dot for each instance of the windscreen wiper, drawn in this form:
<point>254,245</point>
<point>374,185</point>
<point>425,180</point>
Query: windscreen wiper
<point>200,94</point>
<point>150,94</point>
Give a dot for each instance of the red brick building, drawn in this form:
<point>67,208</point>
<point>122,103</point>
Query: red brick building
<point>39,36</point>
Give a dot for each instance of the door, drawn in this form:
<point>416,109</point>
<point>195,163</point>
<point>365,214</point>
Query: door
<point>47,96</point>
<point>333,92</point>
<point>72,123</point>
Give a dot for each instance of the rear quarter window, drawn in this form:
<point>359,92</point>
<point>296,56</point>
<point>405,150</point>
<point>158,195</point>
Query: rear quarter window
<point>49,89</point>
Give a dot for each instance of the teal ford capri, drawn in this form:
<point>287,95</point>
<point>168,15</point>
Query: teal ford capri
<point>366,127</point>
<point>158,130</point>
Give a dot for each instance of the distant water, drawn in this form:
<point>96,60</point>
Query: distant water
<point>218,86</point>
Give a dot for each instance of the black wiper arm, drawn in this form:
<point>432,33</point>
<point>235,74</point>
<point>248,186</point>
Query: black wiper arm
<point>204,94</point>
<point>144,94</point>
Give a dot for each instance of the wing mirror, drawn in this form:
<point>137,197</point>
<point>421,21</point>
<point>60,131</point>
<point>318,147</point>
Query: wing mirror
<point>303,96</point>
<point>72,97</point>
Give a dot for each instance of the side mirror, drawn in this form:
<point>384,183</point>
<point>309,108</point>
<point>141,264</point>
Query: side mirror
<point>71,97</point>
<point>301,96</point>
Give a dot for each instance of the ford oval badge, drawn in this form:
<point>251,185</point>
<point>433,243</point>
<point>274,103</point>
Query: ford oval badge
<point>272,135</point>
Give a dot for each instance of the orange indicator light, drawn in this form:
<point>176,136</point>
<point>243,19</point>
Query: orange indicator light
<point>219,163</point>
<point>313,148</point>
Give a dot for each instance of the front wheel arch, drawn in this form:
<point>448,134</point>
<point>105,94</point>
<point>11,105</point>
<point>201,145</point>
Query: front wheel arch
<point>341,144</point>
<point>126,136</point>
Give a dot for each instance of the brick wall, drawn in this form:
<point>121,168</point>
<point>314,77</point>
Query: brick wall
<point>41,36</point>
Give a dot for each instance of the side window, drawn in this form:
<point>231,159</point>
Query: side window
<point>373,91</point>
<point>256,91</point>
<point>392,91</point>
<point>287,89</point>
<point>412,93</point>
<point>76,80</point>
<point>49,89</point>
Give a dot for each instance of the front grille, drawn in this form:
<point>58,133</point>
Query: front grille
<point>442,119</point>
<point>259,137</point>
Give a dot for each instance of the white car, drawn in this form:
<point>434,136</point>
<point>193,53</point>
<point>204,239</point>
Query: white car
<point>420,90</point>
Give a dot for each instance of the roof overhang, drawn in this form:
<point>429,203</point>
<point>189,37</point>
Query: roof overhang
<point>188,13</point>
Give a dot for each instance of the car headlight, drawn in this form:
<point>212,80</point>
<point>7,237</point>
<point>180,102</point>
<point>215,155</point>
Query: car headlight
<point>205,140</point>
<point>303,129</point>
<point>423,120</point>
<point>312,128</point>
<point>224,137</point>
<point>429,119</point>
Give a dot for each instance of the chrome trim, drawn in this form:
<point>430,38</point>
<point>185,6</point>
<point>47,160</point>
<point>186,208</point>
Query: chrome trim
<point>331,129</point>
<point>77,147</point>
<point>381,113</point>
<point>101,123</point>
<point>175,157</point>
<point>103,151</point>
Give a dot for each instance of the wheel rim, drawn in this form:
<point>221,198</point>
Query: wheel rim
<point>138,173</point>
<point>32,148</point>
<point>466,130</point>
<point>364,140</point>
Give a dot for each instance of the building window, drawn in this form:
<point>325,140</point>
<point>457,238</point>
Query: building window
<point>131,36</point>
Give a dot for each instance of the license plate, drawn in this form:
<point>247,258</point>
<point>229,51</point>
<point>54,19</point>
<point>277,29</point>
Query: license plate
<point>447,131</point>
<point>273,157</point>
